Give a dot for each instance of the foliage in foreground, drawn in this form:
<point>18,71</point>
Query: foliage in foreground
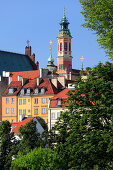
<point>98,16</point>
<point>85,138</point>
<point>7,141</point>
<point>38,159</point>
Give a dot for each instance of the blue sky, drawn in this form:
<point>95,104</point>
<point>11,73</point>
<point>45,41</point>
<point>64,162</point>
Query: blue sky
<point>38,21</point>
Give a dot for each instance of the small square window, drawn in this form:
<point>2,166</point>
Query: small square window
<point>28,91</point>
<point>22,91</point>
<point>11,91</point>
<point>19,78</point>
<point>36,91</point>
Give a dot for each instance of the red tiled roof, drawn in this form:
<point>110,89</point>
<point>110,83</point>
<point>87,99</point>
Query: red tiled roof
<point>61,95</point>
<point>25,74</point>
<point>17,84</point>
<point>19,124</point>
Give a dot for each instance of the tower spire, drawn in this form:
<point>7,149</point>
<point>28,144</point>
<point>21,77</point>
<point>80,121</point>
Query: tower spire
<point>82,61</point>
<point>64,11</point>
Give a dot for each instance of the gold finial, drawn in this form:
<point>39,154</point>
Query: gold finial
<point>28,43</point>
<point>64,11</point>
<point>82,61</point>
<point>50,45</point>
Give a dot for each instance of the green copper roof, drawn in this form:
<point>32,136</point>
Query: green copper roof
<point>64,20</point>
<point>50,59</point>
<point>13,62</point>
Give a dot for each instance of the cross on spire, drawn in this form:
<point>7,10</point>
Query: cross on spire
<point>28,43</point>
<point>82,61</point>
<point>64,11</point>
<point>50,45</point>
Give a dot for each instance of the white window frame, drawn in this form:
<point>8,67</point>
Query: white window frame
<point>7,100</point>
<point>36,111</point>
<point>7,110</point>
<point>35,100</point>
<point>20,111</point>
<point>53,115</point>
<point>58,114</point>
<point>24,101</point>
<point>20,101</point>
<point>43,110</point>
<point>24,111</point>
<point>43,100</point>
<point>12,100</point>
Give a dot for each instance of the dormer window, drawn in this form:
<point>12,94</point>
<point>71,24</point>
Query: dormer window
<point>22,91</point>
<point>28,91</point>
<point>36,91</point>
<point>59,102</point>
<point>19,78</point>
<point>43,90</point>
<point>11,90</point>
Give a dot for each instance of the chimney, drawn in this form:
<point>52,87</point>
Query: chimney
<point>55,82</point>
<point>62,81</point>
<point>38,81</point>
<point>37,65</point>
<point>33,57</point>
<point>28,50</point>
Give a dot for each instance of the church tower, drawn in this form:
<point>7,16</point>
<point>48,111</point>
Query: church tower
<point>64,58</point>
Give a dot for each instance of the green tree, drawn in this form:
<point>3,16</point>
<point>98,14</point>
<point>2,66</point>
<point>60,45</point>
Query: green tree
<point>98,16</point>
<point>30,137</point>
<point>85,131</point>
<point>7,142</point>
<point>38,159</point>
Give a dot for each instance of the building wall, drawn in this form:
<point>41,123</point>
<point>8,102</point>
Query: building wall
<point>24,106</point>
<point>52,120</point>
<point>8,107</point>
<point>42,106</point>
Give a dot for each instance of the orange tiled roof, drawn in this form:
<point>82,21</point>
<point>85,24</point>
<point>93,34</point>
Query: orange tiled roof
<point>25,74</point>
<point>61,95</point>
<point>16,125</point>
<point>17,84</point>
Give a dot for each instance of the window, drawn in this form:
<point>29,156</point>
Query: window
<point>7,110</point>
<point>19,78</point>
<point>28,100</point>
<point>52,125</point>
<point>35,111</point>
<point>29,111</point>
<point>36,91</point>
<point>11,91</point>
<point>20,111</point>
<point>65,46</point>
<point>69,46</point>
<point>43,100</point>
<point>47,100</point>
<point>70,67</point>
<point>47,120</point>
<point>60,46</point>
<point>59,102</point>
<point>53,116</point>
<point>43,110</point>
<point>47,111</point>
<point>43,90</point>
<point>28,91</point>
<point>13,120</point>
<point>24,111</point>
<point>58,114</point>
<point>24,101</point>
<point>12,110</point>
<point>20,101</point>
<point>22,91</point>
<point>61,67</point>
<point>12,100</point>
<point>7,100</point>
<point>36,101</point>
